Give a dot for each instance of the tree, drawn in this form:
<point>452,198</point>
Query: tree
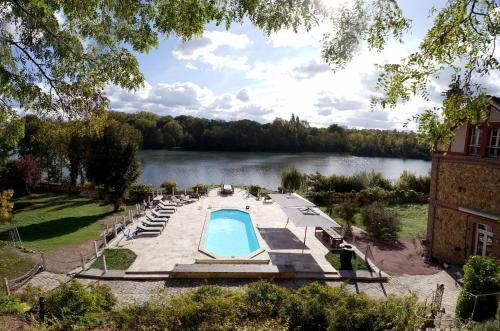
<point>6,205</point>
<point>168,186</point>
<point>77,149</point>
<point>292,179</point>
<point>111,160</point>
<point>460,44</point>
<point>23,175</point>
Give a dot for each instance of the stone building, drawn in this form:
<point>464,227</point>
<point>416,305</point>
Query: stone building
<point>464,204</point>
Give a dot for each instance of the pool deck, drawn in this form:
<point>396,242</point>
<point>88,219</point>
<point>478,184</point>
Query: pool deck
<point>176,248</point>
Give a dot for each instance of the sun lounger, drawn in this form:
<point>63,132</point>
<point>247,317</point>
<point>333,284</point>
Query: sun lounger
<point>165,211</point>
<point>156,219</point>
<point>161,207</point>
<point>159,214</point>
<point>167,203</point>
<point>149,224</point>
<point>144,230</point>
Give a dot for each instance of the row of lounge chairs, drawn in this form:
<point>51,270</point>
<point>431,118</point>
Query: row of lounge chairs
<point>156,219</point>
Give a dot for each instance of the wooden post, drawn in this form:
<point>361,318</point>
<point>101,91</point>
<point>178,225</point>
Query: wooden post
<point>6,283</point>
<point>18,235</point>
<point>44,263</point>
<point>116,230</point>
<point>83,261</point>
<point>105,241</point>
<point>107,229</point>
<point>95,249</point>
<point>124,223</point>
<point>104,263</point>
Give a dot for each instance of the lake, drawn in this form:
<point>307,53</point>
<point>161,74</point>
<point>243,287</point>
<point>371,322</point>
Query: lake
<point>188,168</point>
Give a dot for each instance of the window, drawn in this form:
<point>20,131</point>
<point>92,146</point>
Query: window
<point>475,141</point>
<point>494,145</point>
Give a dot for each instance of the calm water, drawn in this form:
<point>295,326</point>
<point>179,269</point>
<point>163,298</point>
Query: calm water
<point>190,168</point>
<point>230,233</point>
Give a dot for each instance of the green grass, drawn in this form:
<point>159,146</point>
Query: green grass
<point>52,220</point>
<point>116,259</point>
<point>413,219</point>
<point>13,265</point>
<point>334,258</point>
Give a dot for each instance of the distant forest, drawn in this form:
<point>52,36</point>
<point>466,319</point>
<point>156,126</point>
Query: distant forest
<point>294,135</point>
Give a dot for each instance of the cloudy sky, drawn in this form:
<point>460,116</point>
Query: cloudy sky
<point>244,74</point>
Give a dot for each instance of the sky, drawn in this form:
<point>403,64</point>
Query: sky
<point>243,74</point>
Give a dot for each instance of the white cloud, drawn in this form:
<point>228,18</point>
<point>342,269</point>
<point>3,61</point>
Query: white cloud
<point>204,50</point>
<point>243,95</point>
<point>191,66</point>
<point>187,98</point>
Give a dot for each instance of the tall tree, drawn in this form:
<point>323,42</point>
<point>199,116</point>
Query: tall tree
<point>111,161</point>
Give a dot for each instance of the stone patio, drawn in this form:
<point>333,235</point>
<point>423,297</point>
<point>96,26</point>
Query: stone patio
<point>179,241</point>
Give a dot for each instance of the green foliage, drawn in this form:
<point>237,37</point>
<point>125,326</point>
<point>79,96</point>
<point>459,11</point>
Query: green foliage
<point>347,211</point>
<point>337,183</point>
<point>292,179</point>
<point>279,136</point>
<point>254,189</point>
<point>409,181</point>
<point>73,306</point>
<point>200,188</point>
<point>481,276</point>
<point>168,186</point>
<point>6,205</point>
<point>381,222</point>
<point>11,305</point>
<point>111,160</point>
<point>116,259</point>
<point>375,179</point>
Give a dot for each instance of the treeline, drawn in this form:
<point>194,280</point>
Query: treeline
<point>294,135</point>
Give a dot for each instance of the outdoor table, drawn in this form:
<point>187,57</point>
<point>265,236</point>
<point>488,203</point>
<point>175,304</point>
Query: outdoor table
<point>331,236</point>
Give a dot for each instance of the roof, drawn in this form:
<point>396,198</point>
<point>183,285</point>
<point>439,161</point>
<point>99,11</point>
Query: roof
<point>310,217</point>
<point>290,200</point>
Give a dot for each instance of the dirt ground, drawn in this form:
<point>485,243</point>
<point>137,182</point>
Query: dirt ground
<point>12,323</point>
<point>403,257</point>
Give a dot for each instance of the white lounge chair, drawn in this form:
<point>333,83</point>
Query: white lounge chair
<point>165,211</point>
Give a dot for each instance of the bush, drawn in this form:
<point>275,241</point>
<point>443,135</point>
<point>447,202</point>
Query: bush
<point>254,189</point>
<point>346,211</point>
<point>11,305</point>
<point>23,175</point>
<point>202,189</point>
<point>481,276</point>
<point>409,181</point>
<point>292,180</point>
<point>371,195</point>
<point>381,222</point>
<point>374,179</point>
<point>168,186</point>
<point>72,306</point>
<point>139,192</point>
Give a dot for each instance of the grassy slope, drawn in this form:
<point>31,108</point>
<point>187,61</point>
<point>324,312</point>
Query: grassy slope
<point>117,259</point>
<point>334,259</point>
<point>48,221</point>
<point>413,219</point>
<point>13,265</point>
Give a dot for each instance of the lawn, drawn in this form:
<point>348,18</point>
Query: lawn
<point>12,264</point>
<point>51,220</point>
<point>413,219</point>
<point>334,258</point>
<point>116,259</point>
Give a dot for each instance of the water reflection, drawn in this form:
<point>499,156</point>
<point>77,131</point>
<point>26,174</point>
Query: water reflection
<point>190,168</point>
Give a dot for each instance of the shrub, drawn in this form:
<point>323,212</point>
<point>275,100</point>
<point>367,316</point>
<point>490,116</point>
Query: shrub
<point>481,276</point>
<point>168,186</point>
<point>346,211</point>
<point>292,179</point>
<point>254,189</point>
<point>371,195</point>
<point>409,181</point>
<point>374,179</point>
<point>6,205</point>
<point>139,192</point>
<point>11,305</point>
<point>72,305</point>
<point>202,189</point>
<point>381,222</point>
<point>22,175</point>
<point>266,300</point>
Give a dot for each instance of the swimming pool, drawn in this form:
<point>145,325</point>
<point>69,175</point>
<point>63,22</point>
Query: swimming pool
<point>230,233</point>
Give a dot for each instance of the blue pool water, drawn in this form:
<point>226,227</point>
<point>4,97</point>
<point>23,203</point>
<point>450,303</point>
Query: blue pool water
<point>230,233</point>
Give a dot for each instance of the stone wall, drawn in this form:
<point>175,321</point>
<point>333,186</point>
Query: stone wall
<point>472,185</point>
<point>449,235</point>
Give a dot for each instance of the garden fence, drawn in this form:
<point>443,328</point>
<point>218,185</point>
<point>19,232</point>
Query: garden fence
<point>11,285</point>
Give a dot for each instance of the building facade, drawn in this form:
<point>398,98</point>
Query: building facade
<point>464,204</point>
